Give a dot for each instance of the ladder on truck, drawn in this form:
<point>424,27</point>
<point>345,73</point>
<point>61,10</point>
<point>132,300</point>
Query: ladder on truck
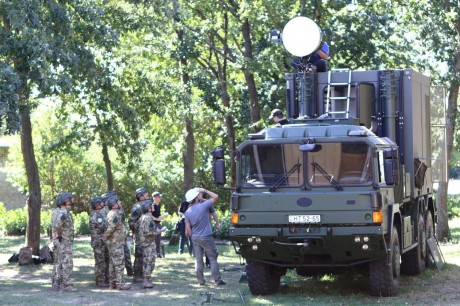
<point>329,99</point>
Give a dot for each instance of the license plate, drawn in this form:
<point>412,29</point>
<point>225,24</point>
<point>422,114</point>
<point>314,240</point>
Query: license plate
<point>304,218</point>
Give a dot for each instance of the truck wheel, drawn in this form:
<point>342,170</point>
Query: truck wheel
<point>262,279</point>
<point>384,273</point>
<point>414,261</point>
<point>429,233</point>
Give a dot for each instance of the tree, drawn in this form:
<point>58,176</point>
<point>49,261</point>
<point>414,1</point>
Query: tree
<point>43,46</point>
<point>441,35</point>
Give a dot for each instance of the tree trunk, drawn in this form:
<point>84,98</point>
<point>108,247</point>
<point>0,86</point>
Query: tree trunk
<point>33,181</point>
<point>452,110</point>
<point>108,166</point>
<point>225,97</point>
<point>442,230</point>
<point>249,75</point>
<point>189,156</point>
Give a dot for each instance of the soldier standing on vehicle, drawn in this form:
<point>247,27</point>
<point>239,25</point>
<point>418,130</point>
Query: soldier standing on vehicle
<point>198,226</point>
<point>56,274</point>
<point>98,226</point>
<point>115,238</point>
<point>63,232</point>
<point>277,116</point>
<point>136,212</point>
<point>158,217</point>
<point>148,231</point>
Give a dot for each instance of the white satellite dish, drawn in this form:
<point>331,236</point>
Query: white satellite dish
<point>301,36</point>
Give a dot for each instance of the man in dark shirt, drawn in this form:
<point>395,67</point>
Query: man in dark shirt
<point>277,116</point>
<point>158,217</point>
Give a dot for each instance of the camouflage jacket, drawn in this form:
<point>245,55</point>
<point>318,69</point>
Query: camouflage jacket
<point>147,229</point>
<point>97,227</point>
<point>63,224</point>
<point>116,230</point>
<point>105,211</point>
<point>54,216</point>
<point>136,213</point>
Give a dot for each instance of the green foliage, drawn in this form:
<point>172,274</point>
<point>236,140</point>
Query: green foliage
<point>13,222</point>
<point>225,223</point>
<point>453,206</point>
<point>81,223</point>
<point>45,223</point>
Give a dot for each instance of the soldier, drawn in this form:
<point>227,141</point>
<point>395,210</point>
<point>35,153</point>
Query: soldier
<point>148,231</point>
<point>126,250</point>
<point>115,238</point>
<point>98,226</point>
<point>136,212</point>
<point>56,277</point>
<point>64,233</point>
<point>105,212</point>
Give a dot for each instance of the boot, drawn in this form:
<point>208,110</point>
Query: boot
<point>100,284</point>
<point>123,287</point>
<point>69,288</point>
<point>147,283</point>
<point>137,279</point>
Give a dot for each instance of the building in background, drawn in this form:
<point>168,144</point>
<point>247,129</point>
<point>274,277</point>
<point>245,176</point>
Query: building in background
<point>10,196</point>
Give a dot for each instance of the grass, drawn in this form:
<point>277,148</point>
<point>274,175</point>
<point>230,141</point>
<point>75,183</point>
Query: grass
<point>175,283</point>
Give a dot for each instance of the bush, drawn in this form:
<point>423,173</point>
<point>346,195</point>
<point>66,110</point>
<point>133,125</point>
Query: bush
<point>81,223</point>
<point>170,223</point>
<point>45,222</point>
<point>225,222</point>
<point>13,222</point>
<point>453,206</point>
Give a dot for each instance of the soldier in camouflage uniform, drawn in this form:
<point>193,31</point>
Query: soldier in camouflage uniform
<point>148,231</point>
<point>98,226</point>
<point>56,277</point>
<point>105,210</point>
<point>136,212</point>
<point>64,232</point>
<point>115,238</point>
<point>127,251</point>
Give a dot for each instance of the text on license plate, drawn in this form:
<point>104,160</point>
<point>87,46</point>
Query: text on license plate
<point>304,218</point>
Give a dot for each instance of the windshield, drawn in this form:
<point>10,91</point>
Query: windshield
<point>284,165</point>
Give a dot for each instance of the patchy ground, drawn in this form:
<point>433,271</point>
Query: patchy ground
<point>175,284</point>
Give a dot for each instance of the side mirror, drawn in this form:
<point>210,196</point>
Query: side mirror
<point>218,169</point>
<point>218,153</point>
<point>391,172</point>
<point>218,166</point>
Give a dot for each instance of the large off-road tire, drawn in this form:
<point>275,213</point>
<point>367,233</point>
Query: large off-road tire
<point>384,273</point>
<point>262,278</point>
<point>414,261</point>
<point>429,233</point>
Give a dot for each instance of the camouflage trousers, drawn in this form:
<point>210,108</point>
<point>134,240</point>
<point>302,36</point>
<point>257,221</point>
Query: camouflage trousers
<point>99,262</point>
<point>117,263</point>
<point>66,262</point>
<point>127,254</point>
<point>149,258</point>
<point>107,264</point>
<point>138,257</point>
<point>56,276</point>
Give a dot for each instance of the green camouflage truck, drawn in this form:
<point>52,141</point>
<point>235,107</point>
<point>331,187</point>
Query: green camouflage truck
<point>346,183</point>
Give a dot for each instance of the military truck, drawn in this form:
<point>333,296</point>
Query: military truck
<point>347,183</point>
